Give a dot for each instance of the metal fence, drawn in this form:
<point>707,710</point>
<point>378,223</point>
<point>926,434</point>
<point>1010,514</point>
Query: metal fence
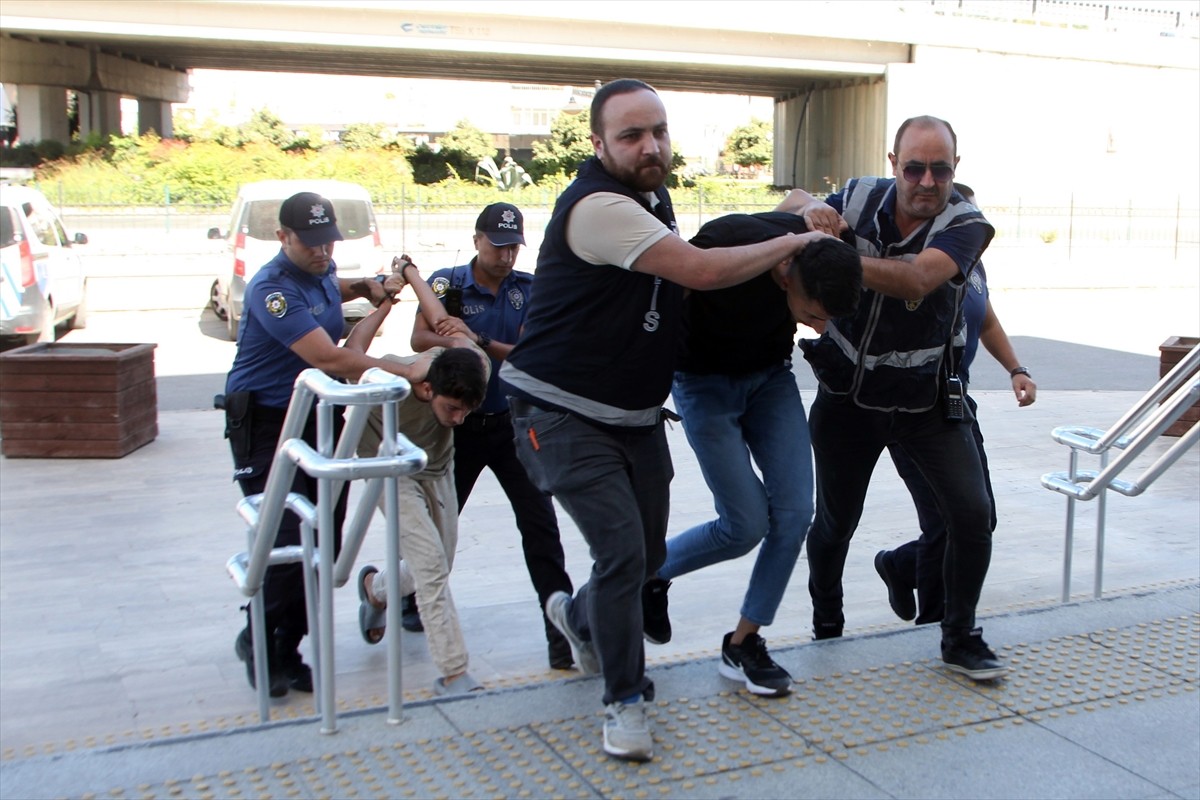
<point>1172,229</point>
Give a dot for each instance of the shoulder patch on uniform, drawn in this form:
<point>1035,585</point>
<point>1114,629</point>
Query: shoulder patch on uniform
<point>516,297</point>
<point>440,285</point>
<point>276,304</point>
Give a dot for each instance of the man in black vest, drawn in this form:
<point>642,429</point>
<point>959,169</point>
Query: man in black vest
<point>890,375</point>
<point>587,380</point>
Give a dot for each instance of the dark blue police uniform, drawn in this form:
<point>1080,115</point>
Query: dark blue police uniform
<point>283,304</point>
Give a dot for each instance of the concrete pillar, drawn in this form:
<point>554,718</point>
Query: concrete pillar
<point>99,112</point>
<point>155,115</point>
<point>41,113</point>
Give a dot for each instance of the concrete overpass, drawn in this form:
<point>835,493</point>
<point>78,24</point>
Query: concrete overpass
<point>842,75</point>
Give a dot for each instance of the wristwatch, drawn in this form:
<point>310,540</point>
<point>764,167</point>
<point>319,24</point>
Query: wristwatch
<point>1015,371</point>
<point>484,340</point>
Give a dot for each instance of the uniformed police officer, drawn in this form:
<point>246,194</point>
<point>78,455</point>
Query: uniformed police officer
<point>487,300</point>
<point>292,321</point>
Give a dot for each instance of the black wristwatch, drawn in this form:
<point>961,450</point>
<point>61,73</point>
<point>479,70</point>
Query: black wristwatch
<point>484,340</point>
<point>1015,371</point>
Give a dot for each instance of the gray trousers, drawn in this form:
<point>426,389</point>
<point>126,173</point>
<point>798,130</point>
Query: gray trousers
<point>616,487</point>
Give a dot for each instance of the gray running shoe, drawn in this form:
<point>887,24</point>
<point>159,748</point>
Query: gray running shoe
<point>626,731</point>
<point>558,607</point>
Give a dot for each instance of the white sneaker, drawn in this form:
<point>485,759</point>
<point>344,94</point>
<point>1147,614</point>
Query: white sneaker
<point>626,731</point>
<point>558,607</point>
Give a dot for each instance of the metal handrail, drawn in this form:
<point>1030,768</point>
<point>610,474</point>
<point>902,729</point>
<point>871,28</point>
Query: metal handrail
<point>332,467</point>
<point>1133,433</point>
<point>1130,425</point>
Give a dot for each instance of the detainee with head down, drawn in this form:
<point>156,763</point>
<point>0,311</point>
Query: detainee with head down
<point>486,300</point>
<point>745,421</point>
<point>588,378</point>
<point>453,387</point>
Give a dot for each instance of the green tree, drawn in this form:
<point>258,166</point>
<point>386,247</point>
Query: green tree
<point>308,138</point>
<point>750,145</point>
<point>363,136</point>
<point>464,147</point>
<point>428,165</point>
<point>264,127</point>
<point>569,144</point>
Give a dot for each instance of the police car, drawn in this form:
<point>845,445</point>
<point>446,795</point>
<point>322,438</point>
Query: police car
<point>42,281</point>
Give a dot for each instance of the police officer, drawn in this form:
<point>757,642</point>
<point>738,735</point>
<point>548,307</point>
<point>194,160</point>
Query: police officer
<point>292,321</point>
<point>486,300</point>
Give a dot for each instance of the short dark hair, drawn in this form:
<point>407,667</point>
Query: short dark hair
<point>923,121</point>
<point>609,90</point>
<point>831,273</point>
<point>458,373</point>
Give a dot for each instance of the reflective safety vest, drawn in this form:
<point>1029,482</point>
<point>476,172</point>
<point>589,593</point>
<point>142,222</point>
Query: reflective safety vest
<point>890,355</point>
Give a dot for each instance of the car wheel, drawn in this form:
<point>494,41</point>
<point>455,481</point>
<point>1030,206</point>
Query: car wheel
<point>231,325</point>
<point>214,301</point>
<point>46,332</point>
<point>79,319</point>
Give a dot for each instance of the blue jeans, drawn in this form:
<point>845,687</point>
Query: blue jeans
<point>730,419</point>
<point>616,486</point>
<point>847,441</point>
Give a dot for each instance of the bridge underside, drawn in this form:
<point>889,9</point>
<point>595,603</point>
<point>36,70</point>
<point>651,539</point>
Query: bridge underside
<point>106,51</point>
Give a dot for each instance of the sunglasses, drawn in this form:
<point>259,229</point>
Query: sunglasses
<point>914,171</point>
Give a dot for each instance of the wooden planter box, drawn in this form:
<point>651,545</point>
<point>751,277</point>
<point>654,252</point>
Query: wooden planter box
<point>63,400</point>
<point>1171,352</point>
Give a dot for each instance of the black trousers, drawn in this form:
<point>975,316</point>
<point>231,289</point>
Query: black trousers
<point>847,442</point>
<point>283,586</point>
<point>486,440</point>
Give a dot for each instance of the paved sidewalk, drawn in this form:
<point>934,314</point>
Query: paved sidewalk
<point>1102,702</point>
<point>117,624</point>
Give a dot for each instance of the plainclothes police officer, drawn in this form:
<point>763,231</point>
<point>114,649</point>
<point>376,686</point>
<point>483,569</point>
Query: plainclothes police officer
<point>292,321</point>
<point>487,300</point>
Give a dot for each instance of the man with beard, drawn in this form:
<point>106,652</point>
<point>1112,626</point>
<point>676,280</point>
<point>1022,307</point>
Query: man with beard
<point>889,375</point>
<point>588,378</point>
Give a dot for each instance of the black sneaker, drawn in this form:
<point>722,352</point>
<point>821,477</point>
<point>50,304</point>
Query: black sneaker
<point>656,623</point>
<point>558,648</point>
<point>900,595</point>
<point>243,647</point>
<point>410,615</point>
<point>826,630</point>
<point>969,654</point>
<point>748,662</point>
<point>298,674</point>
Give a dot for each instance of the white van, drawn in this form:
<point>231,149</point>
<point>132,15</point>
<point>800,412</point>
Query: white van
<point>251,241</point>
<point>42,282</point>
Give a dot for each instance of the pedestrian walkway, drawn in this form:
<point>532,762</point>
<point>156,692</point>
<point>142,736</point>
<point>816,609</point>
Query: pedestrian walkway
<point>1102,702</point>
<point>118,678</point>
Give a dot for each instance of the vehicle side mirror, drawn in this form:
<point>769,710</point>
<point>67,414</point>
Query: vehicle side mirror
<point>81,238</point>
<point>215,233</point>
